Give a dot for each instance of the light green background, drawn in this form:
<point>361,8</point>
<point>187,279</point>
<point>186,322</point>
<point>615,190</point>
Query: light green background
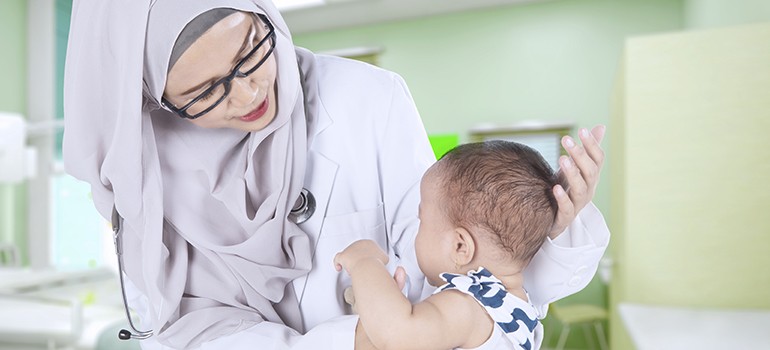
<point>690,193</point>
<point>552,61</point>
<point>556,60</point>
<point>702,14</point>
<point>13,98</point>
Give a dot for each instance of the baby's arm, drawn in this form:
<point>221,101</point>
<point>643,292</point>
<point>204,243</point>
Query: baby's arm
<point>443,321</point>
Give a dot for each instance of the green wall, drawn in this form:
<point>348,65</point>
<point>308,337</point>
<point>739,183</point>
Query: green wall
<point>689,189</point>
<point>63,11</point>
<point>13,61</point>
<point>13,98</point>
<point>556,60</point>
<point>694,230</point>
<point>718,13</point>
<point>550,61</point>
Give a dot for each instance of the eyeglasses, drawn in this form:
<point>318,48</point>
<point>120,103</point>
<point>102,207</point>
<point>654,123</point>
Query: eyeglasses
<point>216,93</point>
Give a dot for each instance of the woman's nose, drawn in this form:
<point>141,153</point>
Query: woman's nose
<point>242,92</point>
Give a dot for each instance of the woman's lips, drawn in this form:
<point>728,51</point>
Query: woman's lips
<point>257,113</point>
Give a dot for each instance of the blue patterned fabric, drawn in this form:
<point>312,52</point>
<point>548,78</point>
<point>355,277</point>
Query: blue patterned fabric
<point>516,317</point>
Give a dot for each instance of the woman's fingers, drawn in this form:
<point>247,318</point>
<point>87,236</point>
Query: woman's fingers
<point>592,146</point>
<point>580,157</point>
<point>579,173</point>
<point>576,185</point>
<point>598,132</point>
<point>565,214</point>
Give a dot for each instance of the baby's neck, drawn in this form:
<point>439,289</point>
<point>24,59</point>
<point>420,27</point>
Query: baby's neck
<point>513,280</point>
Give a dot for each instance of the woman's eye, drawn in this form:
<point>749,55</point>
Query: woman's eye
<point>252,60</point>
<point>207,96</point>
<point>254,57</point>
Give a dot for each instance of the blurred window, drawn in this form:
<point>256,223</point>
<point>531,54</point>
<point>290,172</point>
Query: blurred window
<point>80,237</point>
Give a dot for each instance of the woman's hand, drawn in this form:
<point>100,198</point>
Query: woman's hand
<point>357,251</point>
<point>581,172</point>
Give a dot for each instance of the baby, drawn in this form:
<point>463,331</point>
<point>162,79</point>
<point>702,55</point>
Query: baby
<point>485,210</point>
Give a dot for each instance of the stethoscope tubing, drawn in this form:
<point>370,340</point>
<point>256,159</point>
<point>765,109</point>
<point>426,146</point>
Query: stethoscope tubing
<point>304,209</point>
<point>117,230</point>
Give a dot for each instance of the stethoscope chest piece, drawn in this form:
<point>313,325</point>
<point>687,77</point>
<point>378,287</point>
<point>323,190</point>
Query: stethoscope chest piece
<point>303,208</point>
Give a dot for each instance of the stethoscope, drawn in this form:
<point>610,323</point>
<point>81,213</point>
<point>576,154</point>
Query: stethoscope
<point>117,229</point>
<point>302,210</point>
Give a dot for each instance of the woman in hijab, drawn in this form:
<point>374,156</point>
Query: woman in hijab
<point>241,165</point>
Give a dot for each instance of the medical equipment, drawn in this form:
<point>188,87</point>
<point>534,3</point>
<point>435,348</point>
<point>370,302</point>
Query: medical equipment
<point>13,136</point>
<point>77,306</point>
<point>124,334</point>
<point>303,209</point>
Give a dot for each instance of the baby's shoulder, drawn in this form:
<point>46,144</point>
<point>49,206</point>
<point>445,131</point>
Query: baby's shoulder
<point>455,304</point>
<point>465,315</point>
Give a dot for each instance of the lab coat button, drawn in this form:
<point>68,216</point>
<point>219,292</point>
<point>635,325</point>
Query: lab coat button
<point>574,281</point>
<point>581,270</point>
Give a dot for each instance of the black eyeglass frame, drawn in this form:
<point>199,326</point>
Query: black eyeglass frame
<point>227,80</point>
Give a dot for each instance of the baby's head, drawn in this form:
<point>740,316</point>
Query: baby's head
<point>485,204</point>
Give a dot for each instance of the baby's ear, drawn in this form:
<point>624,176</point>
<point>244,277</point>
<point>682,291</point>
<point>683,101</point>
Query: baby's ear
<point>464,246</point>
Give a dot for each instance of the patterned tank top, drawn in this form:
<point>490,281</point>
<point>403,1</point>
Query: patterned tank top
<point>517,318</point>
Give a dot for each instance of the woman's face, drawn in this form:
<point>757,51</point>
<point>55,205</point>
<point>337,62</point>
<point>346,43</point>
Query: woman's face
<point>251,103</point>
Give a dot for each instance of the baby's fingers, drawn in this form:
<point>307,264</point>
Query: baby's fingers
<point>337,262</point>
<point>400,277</point>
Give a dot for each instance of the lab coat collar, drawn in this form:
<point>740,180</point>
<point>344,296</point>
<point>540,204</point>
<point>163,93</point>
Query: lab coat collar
<point>318,118</point>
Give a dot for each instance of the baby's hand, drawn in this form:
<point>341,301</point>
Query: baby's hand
<point>358,251</point>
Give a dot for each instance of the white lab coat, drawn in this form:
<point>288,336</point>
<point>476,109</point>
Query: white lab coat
<point>369,150</point>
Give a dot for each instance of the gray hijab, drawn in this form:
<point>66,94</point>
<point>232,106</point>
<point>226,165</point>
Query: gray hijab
<point>206,234</point>
<point>193,30</point>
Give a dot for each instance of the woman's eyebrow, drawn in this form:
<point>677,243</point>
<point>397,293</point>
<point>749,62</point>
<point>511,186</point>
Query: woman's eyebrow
<point>198,87</point>
<point>249,38</point>
<point>237,58</point>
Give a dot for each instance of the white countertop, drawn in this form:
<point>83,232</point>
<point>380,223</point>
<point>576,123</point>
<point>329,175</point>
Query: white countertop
<point>24,280</point>
<point>673,328</point>
<point>69,308</point>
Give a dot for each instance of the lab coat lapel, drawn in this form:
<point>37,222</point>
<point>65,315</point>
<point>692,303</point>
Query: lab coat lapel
<point>320,174</point>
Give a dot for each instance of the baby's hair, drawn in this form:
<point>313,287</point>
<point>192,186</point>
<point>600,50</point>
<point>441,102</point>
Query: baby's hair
<point>504,188</point>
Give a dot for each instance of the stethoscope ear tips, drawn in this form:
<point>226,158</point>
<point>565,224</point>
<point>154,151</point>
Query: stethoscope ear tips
<point>124,334</point>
